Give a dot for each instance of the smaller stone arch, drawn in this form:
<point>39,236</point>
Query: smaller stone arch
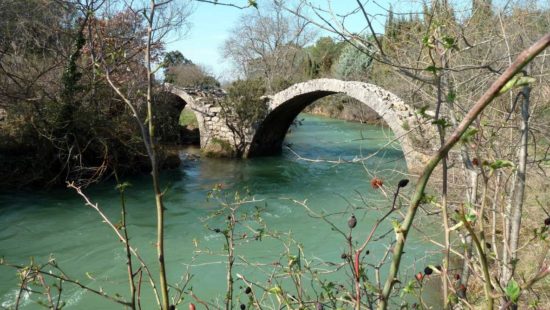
<point>191,104</point>
<point>217,139</point>
<point>413,133</point>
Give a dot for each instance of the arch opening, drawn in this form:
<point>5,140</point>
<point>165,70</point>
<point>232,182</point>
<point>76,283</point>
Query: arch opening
<point>177,123</point>
<point>190,133</point>
<point>271,133</point>
<point>342,107</point>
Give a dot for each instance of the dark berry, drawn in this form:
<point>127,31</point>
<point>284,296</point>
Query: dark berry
<point>217,230</point>
<point>344,256</point>
<point>428,271</point>
<point>243,307</point>
<point>352,222</point>
<point>403,183</point>
<point>547,222</point>
<point>248,290</point>
<point>457,277</point>
<point>367,252</point>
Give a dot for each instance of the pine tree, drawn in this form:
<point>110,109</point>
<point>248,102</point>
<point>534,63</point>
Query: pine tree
<point>389,28</point>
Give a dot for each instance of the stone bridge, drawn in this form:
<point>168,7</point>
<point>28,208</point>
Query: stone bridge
<point>218,136</point>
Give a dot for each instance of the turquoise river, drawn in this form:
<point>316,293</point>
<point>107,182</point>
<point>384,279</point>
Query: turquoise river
<point>41,225</point>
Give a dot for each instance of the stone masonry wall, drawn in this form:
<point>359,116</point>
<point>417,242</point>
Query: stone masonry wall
<point>415,133</point>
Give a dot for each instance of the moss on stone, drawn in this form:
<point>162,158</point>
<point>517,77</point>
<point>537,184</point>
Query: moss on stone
<point>218,148</point>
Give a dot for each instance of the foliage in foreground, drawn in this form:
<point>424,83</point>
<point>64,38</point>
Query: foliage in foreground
<point>439,65</point>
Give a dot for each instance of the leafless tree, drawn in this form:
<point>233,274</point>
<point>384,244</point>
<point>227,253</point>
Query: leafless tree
<point>266,43</point>
<point>443,57</point>
<point>159,19</point>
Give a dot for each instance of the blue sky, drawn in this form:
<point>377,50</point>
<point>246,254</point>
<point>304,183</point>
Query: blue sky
<point>211,25</point>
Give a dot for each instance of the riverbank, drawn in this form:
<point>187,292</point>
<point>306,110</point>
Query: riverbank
<point>345,108</point>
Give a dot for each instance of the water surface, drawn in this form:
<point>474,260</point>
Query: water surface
<point>55,223</point>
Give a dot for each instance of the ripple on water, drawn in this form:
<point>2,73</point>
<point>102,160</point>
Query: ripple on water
<point>38,224</point>
<point>9,299</point>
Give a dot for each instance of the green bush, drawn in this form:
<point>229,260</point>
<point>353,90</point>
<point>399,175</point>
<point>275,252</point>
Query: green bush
<point>188,119</point>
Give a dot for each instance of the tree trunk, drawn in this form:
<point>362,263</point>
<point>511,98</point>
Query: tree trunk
<point>519,192</point>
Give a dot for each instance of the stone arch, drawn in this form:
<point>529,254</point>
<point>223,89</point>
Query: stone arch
<point>413,134</point>
<point>190,104</point>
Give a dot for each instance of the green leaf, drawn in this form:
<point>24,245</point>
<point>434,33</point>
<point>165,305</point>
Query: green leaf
<point>516,81</point>
<point>433,69</point>
<point>329,285</point>
<point>471,216</point>
<point>408,289</point>
<point>396,225</point>
<point>449,42</point>
<point>427,41</point>
<point>442,122</point>
<point>122,186</point>
<point>513,291</point>
<point>500,163</point>
<point>428,199</point>
<point>253,3</point>
<point>275,290</point>
<point>292,260</point>
<point>468,134</point>
<point>451,97</point>
<point>422,111</point>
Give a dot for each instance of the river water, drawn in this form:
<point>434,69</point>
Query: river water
<point>56,223</point>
